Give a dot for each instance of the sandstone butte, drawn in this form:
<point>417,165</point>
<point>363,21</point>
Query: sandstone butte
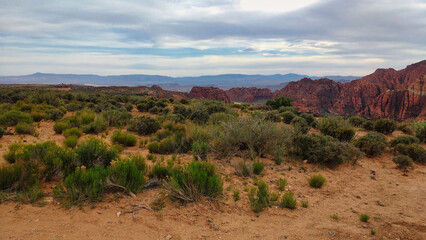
<point>209,93</point>
<point>251,94</point>
<point>386,93</point>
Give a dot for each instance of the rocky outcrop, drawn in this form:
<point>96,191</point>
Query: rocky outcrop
<point>209,93</point>
<point>251,94</point>
<point>386,93</point>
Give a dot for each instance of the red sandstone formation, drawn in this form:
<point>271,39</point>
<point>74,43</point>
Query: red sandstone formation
<point>386,93</point>
<point>251,94</point>
<point>209,93</point>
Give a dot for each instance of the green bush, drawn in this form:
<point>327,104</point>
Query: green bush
<point>2,131</point>
<point>144,125</point>
<point>405,128</point>
<point>288,201</point>
<point>258,167</point>
<point>364,217</point>
<point>9,176</point>
<point>310,119</point>
<point>316,180</point>
<point>127,174</point>
<point>161,171</point>
<point>37,116</point>
<point>357,121</point>
<point>403,140</point>
<point>200,150</point>
<point>59,127</point>
<point>368,125</point>
<point>13,117</point>
<point>117,118</point>
<point>385,126</point>
<point>273,116</point>
<point>414,151</point>
<point>259,198</point>
<point>73,132</point>
<point>300,125</point>
<point>94,152</point>
<point>96,126</point>
<point>243,169</point>
<point>337,128</point>
<point>236,195</point>
<point>220,117</point>
<point>139,161</point>
<point>288,117</point>
<point>25,128</point>
<point>123,138</point>
<point>402,161</point>
<point>86,184</point>
<point>281,184</point>
<point>15,151</point>
<point>420,130</point>
<point>279,102</point>
<point>323,150</point>
<point>195,180</point>
<point>71,141</point>
<point>373,144</point>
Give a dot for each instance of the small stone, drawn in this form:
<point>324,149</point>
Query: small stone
<point>99,212</point>
<point>168,237</point>
<point>215,227</point>
<point>331,234</point>
<point>118,213</point>
<point>380,203</point>
<point>365,226</point>
<point>373,177</point>
<point>253,219</point>
<point>354,211</point>
<point>305,161</point>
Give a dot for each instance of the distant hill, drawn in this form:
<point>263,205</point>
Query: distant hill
<point>183,84</point>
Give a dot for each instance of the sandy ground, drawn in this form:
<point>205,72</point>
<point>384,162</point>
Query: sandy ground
<point>349,191</point>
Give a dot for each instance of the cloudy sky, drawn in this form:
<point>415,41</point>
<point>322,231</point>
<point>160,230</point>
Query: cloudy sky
<point>204,37</point>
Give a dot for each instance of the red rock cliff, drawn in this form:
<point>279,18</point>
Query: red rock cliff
<point>209,93</point>
<point>386,93</point>
<point>251,94</point>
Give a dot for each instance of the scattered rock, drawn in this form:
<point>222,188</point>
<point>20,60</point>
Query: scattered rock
<point>365,226</point>
<point>216,227</point>
<point>380,203</point>
<point>354,211</point>
<point>168,237</point>
<point>332,234</point>
<point>118,213</point>
<point>373,177</point>
<point>358,196</point>
<point>373,172</point>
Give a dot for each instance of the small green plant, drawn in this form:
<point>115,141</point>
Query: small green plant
<point>304,203</point>
<point>236,195</point>
<point>259,198</point>
<point>372,232</point>
<point>316,180</point>
<point>281,184</point>
<point>126,173</point>
<point>364,217</point>
<point>124,138</point>
<point>71,142</point>
<point>200,150</point>
<point>25,128</point>
<point>288,201</point>
<point>258,167</point>
<point>288,116</point>
<point>59,127</point>
<point>373,144</point>
<point>9,176</point>
<point>75,132</point>
<point>159,202</point>
<point>335,217</point>
<point>402,161</point>
<point>144,125</point>
<point>94,152</point>
<point>243,169</point>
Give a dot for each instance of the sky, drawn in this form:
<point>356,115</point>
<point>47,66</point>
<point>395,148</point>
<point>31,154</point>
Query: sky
<point>208,37</point>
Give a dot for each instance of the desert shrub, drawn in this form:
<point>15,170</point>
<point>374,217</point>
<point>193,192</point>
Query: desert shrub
<point>300,125</point>
<point>55,114</point>
<point>287,109</point>
<point>161,171</point>
<point>200,150</point>
<point>243,169</point>
<point>96,126</point>
<point>259,198</point>
<point>71,141</point>
<point>182,110</point>
<point>253,134</point>
<point>59,127</point>
<point>144,125</point>
<point>94,152</point>
<point>288,201</point>
<point>414,151</point>
<point>86,184</point>
<point>403,140</point>
<point>288,116</point>
<point>85,116</point>
<point>236,195</point>
<point>127,174</point>
<point>402,161</point>
<point>124,138</point>
<point>385,126</point>
<point>13,117</point>
<point>116,118</point>
<point>316,180</point>
<point>220,117</point>
<point>37,116</point>
<point>357,121</point>
<point>9,176</point>
<point>195,180</point>
<point>25,128</point>
<point>199,115</point>
<point>281,184</point>
<point>273,116</point>
<point>405,128</point>
<point>15,151</point>
<point>310,119</point>
<point>337,128</point>
<point>279,102</point>
<point>165,146</point>
<point>73,132</point>
<point>74,106</point>
<point>364,217</point>
<point>258,167</point>
<point>2,131</point>
<point>323,150</point>
<point>373,144</point>
<point>419,129</point>
<point>279,153</point>
<point>368,125</point>
<point>305,203</point>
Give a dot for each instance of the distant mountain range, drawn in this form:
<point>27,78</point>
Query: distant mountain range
<point>182,84</point>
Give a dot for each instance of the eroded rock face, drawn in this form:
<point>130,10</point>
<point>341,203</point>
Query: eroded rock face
<point>209,93</point>
<point>386,93</point>
<point>250,94</point>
